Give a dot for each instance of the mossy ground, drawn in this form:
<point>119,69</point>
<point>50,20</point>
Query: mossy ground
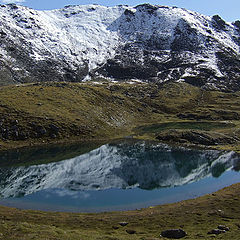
<point>106,111</point>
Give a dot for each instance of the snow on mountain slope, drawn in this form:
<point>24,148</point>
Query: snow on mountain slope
<point>68,39</point>
<point>146,42</point>
<point>117,166</point>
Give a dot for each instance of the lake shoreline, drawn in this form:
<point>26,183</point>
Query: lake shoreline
<point>36,144</point>
<point>196,216</point>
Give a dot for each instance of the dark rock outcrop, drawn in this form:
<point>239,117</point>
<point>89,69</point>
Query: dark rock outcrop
<point>223,227</point>
<point>130,231</point>
<point>174,233</point>
<point>195,137</point>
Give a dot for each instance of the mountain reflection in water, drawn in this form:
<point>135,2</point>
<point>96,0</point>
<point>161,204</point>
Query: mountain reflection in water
<point>126,164</point>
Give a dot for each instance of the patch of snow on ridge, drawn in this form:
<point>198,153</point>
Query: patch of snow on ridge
<point>82,34</point>
<point>73,34</point>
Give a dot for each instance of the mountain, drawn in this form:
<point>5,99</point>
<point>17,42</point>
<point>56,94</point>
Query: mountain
<point>147,42</point>
<point>120,165</point>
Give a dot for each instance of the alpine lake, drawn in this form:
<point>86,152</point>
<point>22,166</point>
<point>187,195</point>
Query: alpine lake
<point>122,175</point>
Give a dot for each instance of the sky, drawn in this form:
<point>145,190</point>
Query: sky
<point>229,10</point>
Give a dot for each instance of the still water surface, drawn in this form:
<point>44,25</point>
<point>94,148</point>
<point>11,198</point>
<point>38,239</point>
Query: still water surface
<point>117,176</point>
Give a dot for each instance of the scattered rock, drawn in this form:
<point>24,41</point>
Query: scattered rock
<point>41,131</point>
<point>123,224</point>
<point>54,128</point>
<point>174,233</point>
<point>53,135</point>
<point>130,231</point>
<point>216,231</point>
<point>199,236</point>
<point>2,34</point>
<point>223,227</point>
<point>15,134</point>
<point>23,135</point>
<point>11,49</point>
<point>115,227</point>
<point>226,220</point>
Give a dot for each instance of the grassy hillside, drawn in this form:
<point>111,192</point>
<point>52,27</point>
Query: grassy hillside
<point>62,112</point>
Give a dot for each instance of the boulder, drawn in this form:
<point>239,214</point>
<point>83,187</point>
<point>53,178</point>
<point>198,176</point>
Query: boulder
<point>223,227</point>
<point>123,224</point>
<point>216,231</point>
<point>130,231</point>
<point>174,233</point>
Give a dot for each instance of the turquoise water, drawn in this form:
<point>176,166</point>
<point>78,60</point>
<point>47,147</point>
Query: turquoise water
<point>117,176</point>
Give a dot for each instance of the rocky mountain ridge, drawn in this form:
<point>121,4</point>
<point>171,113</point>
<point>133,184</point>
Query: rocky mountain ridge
<point>147,42</point>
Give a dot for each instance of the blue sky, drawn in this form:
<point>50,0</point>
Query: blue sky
<point>227,9</point>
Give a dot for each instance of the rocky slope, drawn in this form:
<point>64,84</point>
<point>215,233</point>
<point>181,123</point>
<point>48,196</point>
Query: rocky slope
<point>146,42</point>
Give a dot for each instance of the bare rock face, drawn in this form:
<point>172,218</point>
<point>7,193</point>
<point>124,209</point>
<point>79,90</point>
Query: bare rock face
<point>148,42</point>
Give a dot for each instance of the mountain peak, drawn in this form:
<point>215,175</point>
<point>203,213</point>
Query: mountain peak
<point>147,42</point>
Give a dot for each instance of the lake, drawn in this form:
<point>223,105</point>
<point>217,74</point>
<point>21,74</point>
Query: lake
<point>121,175</point>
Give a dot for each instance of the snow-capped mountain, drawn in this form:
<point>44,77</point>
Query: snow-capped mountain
<point>146,42</point>
<point>122,165</point>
